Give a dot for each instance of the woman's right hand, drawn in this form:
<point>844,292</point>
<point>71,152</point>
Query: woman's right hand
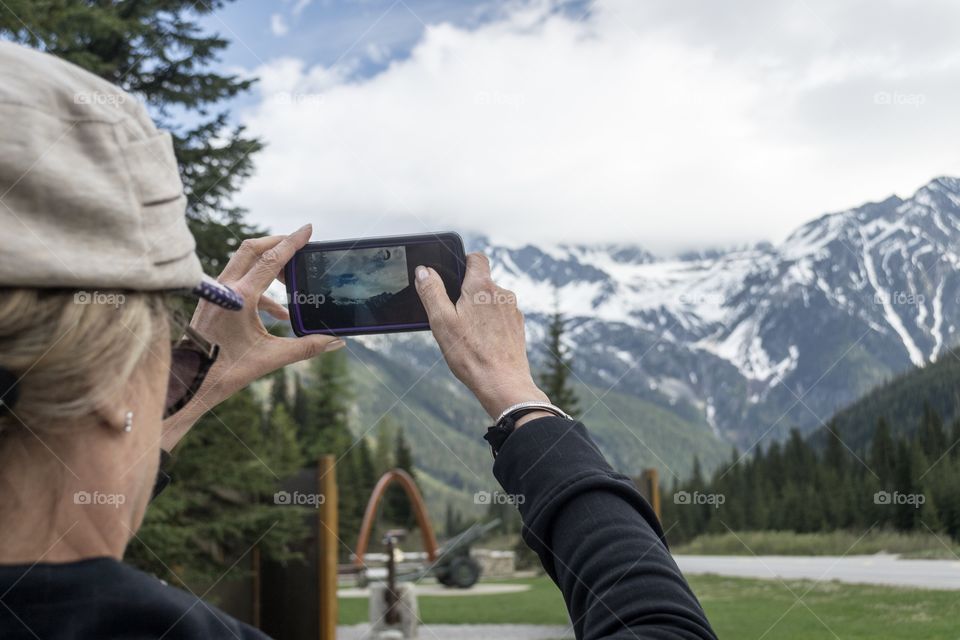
<point>481,336</point>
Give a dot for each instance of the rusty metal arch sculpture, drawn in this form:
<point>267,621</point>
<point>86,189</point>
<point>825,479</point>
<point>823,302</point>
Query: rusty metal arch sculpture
<point>419,510</point>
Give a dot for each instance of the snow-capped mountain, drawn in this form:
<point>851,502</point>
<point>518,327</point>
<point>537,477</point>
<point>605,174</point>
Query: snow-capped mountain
<point>755,340</point>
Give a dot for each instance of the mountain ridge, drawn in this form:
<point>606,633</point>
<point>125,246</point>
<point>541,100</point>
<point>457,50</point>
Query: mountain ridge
<point>730,347</point>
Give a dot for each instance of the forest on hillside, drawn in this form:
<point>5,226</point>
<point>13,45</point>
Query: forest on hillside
<point>904,479</point>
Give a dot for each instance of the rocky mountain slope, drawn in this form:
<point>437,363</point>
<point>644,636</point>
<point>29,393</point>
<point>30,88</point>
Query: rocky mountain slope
<point>697,353</point>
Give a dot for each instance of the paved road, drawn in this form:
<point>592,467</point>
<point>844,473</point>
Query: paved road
<point>879,569</point>
<point>472,632</point>
<point>434,589</point>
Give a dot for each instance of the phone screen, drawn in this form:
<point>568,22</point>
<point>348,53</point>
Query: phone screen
<point>367,286</point>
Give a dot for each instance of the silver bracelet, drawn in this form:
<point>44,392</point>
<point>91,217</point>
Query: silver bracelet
<point>533,404</point>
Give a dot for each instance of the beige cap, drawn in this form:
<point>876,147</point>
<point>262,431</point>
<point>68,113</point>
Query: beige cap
<point>90,193</point>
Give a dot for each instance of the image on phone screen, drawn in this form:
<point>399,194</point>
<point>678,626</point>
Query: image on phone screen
<point>363,286</point>
<point>346,287</point>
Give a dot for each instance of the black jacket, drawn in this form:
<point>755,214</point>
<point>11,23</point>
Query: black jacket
<point>597,538</point>
<point>102,598</point>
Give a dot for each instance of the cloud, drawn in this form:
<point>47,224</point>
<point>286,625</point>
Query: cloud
<point>278,26</point>
<point>299,6</point>
<point>653,123</point>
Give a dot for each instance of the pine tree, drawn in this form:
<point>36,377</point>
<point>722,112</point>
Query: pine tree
<point>905,514</point>
<point>328,404</point>
<point>383,449</point>
<point>555,379</point>
<point>355,479</point>
<point>798,487</point>
<point>696,474</point>
<point>225,473</point>
<point>882,452</point>
<point>397,507</point>
<point>278,392</point>
<point>932,438</point>
<point>280,442</point>
<point>954,444</point>
<point>157,50</point>
<point>836,456</point>
<point>300,410</point>
<point>930,516</point>
<point>453,522</point>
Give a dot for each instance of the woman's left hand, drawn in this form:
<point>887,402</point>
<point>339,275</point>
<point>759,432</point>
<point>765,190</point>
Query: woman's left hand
<point>247,350</point>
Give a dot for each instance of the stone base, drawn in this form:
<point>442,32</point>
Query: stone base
<point>406,608</point>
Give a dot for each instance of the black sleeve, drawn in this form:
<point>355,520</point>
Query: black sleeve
<point>597,538</point>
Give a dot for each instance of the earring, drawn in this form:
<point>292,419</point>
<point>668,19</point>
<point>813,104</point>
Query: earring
<point>128,422</point>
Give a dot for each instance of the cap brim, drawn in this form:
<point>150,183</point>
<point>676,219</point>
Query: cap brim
<point>218,293</point>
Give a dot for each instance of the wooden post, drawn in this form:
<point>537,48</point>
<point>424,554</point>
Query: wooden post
<point>327,549</point>
<point>649,486</point>
<point>257,578</point>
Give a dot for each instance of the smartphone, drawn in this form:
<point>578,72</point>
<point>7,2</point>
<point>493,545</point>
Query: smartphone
<point>355,287</point>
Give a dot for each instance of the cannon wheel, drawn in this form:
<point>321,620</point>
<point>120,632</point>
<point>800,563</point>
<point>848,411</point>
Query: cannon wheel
<point>462,573</point>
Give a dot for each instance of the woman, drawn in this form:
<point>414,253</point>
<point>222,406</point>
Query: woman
<point>95,390</point>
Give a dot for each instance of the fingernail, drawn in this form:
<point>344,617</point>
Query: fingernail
<point>422,273</point>
<point>304,227</point>
<point>336,344</point>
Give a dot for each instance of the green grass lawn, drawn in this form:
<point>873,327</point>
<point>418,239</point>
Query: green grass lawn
<point>742,608</point>
<point>738,608</point>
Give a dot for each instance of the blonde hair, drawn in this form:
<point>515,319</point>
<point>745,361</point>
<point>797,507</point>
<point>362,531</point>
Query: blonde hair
<point>72,350</point>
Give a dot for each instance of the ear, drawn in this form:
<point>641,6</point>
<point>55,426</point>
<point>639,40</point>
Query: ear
<point>116,418</point>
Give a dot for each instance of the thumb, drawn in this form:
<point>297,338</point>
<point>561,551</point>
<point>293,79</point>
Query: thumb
<point>433,294</point>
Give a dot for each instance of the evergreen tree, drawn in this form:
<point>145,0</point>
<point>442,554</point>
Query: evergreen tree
<point>930,516</point>
<point>797,487</point>
<point>397,507</point>
<point>280,442</point>
<point>366,472</point>
<point>696,474</point>
<point>932,438</point>
<point>453,522</point>
<point>355,481</point>
<point>384,445</point>
<point>278,391</point>
<point>328,404</point>
<point>905,515</point>
<point>954,444</point>
<point>300,409</point>
<point>555,379</point>
<point>157,50</point>
<point>221,500</point>
<point>882,452</point>
<point>836,456</point>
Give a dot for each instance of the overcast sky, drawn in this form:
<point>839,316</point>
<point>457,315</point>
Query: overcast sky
<point>670,124</point>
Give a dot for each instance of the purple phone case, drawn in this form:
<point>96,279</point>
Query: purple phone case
<point>296,321</point>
